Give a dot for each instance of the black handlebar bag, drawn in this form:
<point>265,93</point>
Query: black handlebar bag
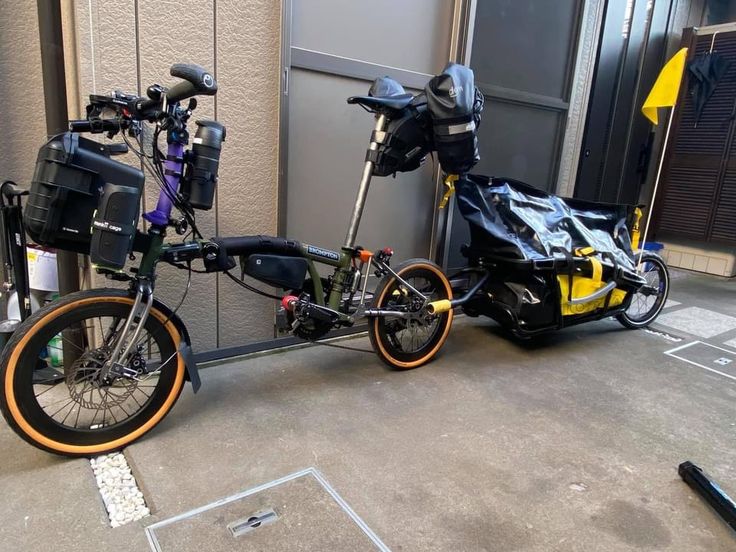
<point>454,104</point>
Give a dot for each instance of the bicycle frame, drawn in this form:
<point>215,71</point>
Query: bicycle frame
<point>343,261</point>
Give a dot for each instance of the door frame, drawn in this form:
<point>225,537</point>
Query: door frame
<point>463,16</point>
<point>570,135</point>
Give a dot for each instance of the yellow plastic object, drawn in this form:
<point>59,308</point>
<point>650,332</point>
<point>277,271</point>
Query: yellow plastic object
<point>582,286</point>
<point>450,184</point>
<point>438,307</point>
<point>635,230</point>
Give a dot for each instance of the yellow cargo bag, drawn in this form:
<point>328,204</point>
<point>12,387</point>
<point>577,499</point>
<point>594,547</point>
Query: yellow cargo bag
<point>582,286</point>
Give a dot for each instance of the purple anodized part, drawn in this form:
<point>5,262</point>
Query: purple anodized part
<point>162,213</point>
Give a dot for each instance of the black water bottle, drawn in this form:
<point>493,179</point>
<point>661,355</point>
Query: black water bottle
<point>201,178</point>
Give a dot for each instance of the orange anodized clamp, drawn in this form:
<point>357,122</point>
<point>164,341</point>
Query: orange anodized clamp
<point>365,255</point>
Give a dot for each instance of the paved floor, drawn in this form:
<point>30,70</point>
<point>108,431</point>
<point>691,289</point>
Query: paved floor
<point>569,443</point>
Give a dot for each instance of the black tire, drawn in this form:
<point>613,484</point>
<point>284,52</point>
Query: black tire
<point>383,331</point>
<point>643,310</point>
<point>22,406</point>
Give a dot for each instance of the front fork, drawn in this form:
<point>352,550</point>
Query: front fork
<point>124,343</point>
<point>127,340</point>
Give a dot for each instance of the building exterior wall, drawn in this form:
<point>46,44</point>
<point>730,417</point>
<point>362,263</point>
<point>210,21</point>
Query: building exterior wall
<point>21,91</point>
<point>130,44</point>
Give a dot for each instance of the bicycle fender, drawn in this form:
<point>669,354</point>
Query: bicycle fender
<point>185,350</point>
<point>185,346</point>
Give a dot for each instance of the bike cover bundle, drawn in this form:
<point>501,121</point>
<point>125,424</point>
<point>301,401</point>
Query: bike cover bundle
<point>511,220</point>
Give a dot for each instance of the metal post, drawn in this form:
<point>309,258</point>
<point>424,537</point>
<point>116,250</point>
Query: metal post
<point>365,182</point>
<point>57,121</point>
<point>57,117</point>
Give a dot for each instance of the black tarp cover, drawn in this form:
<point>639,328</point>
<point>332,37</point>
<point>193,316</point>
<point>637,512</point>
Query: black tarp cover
<point>511,218</point>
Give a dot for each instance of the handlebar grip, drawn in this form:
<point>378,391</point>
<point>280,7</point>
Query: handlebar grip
<point>197,81</point>
<point>144,108</point>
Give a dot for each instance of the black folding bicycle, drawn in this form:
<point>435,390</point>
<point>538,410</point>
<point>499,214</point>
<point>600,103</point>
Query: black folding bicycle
<point>125,354</point>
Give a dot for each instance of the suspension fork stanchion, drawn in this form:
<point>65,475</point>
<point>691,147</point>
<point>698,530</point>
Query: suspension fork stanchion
<point>363,189</point>
<point>138,316</point>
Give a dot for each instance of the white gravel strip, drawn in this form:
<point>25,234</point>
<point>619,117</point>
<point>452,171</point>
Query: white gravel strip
<point>120,493</point>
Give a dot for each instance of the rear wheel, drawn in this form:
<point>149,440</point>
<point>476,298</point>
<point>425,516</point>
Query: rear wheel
<point>648,302</point>
<point>57,392</point>
<point>405,343</point>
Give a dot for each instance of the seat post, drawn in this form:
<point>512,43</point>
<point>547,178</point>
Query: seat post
<point>364,184</point>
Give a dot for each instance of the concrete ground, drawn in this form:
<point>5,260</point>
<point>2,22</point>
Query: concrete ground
<point>568,443</point>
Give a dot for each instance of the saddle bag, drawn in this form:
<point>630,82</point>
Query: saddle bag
<point>455,105</point>
<point>408,138</point>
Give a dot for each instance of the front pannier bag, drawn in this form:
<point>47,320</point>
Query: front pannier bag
<point>71,173</point>
<point>454,105</point>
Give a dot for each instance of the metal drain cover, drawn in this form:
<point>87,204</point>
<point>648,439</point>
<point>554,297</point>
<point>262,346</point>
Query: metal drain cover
<point>298,512</point>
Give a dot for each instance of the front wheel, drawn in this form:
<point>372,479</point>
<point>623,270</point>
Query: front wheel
<point>408,342</point>
<point>58,390</point>
<point>647,302</point>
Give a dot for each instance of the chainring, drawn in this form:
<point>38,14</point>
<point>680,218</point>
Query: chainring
<point>311,329</point>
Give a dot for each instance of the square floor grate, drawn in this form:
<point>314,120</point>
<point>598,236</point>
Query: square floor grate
<point>298,512</point>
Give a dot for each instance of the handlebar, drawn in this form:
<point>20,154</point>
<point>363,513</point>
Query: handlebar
<point>130,108</point>
<point>97,126</point>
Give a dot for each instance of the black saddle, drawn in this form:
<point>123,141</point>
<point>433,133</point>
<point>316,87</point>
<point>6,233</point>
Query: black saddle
<point>385,96</point>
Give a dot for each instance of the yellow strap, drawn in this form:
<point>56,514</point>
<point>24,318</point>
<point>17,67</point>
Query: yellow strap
<point>450,183</point>
<point>597,269</point>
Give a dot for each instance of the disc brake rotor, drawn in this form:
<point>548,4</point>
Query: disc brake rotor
<point>86,387</point>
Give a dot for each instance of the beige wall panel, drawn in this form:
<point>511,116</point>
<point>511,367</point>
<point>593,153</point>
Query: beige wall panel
<point>177,31</point>
<point>105,49</point>
<point>248,57</point>
<point>21,90</point>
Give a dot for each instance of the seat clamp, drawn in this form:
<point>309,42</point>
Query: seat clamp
<point>373,156</point>
<point>379,136</point>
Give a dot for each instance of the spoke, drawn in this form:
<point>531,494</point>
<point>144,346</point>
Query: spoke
<point>79,411</point>
<point>67,414</point>
<point>65,340</point>
<point>70,401</point>
<point>45,390</point>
